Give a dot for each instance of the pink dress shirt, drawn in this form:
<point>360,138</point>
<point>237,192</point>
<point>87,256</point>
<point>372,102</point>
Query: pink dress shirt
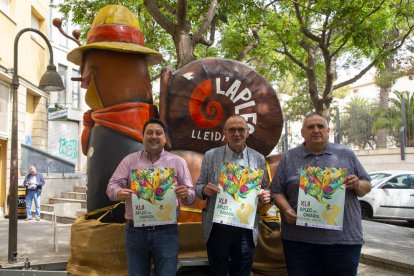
<point>140,160</point>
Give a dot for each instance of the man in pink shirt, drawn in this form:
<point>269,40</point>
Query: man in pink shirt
<point>159,242</point>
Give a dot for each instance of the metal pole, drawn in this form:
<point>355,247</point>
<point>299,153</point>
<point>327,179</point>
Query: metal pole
<point>337,136</point>
<point>404,119</point>
<point>285,137</point>
<point>403,129</point>
<point>12,253</point>
<point>14,173</point>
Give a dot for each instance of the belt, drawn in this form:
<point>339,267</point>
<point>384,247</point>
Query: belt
<point>130,223</point>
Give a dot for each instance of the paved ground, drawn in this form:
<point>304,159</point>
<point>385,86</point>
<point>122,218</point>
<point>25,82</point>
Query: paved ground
<point>387,246</point>
<point>34,241</point>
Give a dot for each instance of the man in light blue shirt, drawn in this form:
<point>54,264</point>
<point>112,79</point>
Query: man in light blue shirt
<point>230,249</point>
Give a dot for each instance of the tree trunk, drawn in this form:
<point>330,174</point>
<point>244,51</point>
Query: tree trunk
<point>313,81</point>
<point>184,48</point>
<point>385,90</point>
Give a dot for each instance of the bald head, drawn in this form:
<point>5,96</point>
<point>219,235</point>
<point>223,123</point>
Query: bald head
<point>236,133</point>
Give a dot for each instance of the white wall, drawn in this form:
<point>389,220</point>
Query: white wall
<point>63,137</point>
<point>386,159</point>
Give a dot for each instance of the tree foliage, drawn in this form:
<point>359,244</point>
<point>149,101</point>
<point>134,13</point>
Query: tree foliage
<point>406,99</point>
<point>182,30</point>
<point>308,39</point>
<point>82,13</point>
<point>314,39</point>
<point>391,118</point>
<point>357,123</point>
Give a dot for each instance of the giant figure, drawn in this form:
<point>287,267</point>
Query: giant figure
<point>114,71</point>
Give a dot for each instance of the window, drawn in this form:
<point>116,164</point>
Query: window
<point>5,6</point>
<point>29,118</point>
<point>63,41</point>
<point>4,108</point>
<point>75,90</point>
<point>35,22</point>
<point>62,70</point>
<point>400,182</point>
<point>408,183</point>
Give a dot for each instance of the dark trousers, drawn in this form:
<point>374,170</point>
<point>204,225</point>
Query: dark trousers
<point>230,250</point>
<point>307,259</point>
<point>160,244</point>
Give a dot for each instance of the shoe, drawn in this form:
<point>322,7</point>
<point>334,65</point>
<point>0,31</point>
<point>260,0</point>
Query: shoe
<point>38,219</point>
<point>27,219</point>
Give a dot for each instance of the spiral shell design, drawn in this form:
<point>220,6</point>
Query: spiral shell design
<point>213,109</point>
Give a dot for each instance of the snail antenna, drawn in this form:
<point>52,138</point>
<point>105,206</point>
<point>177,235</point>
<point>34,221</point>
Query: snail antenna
<point>57,22</point>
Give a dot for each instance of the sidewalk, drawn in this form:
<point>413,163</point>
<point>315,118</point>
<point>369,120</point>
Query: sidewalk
<point>385,245</point>
<point>388,245</point>
<point>34,241</point>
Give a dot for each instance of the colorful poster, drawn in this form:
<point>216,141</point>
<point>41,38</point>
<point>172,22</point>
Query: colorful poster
<point>154,200</point>
<point>321,197</point>
<point>236,204</point>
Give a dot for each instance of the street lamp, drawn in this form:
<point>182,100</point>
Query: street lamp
<point>50,81</point>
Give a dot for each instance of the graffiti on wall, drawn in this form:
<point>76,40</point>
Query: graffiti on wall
<point>68,148</point>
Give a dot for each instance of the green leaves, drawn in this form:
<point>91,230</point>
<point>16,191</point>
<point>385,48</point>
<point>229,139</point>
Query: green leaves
<point>357,123</point>
<point>310,40</point>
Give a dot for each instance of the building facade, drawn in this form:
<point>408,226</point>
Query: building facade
<point>38,125</point>
<point>66,108</point>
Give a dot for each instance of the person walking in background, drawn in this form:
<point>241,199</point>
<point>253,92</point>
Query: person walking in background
<point>158,242</point>
<point>230,249</point>
<point>320,251</point>
<point>34,182</point>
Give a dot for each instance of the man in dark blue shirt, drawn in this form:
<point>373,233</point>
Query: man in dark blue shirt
<point>316,251</point>
<point>34,182</point>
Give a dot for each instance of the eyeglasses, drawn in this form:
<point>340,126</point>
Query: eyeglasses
<point>234,130</point>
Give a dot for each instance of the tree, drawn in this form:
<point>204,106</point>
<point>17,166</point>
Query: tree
<point>179,29</point>
<point>316,38</point>
<point>298,104</point>
<point>357,123</point>
<point>309,39</point>
<point>179,23</point>
<point>390,118</point>
<point>407,99</point>
<point>396,65</point>
<point>82,13</point>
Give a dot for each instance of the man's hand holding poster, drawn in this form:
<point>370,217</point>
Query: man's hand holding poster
<point>154,201</point>
<point>321,197</point>
<point>236,204</point>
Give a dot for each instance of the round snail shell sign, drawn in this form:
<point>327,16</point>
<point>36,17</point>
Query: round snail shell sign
<point>196,100</point>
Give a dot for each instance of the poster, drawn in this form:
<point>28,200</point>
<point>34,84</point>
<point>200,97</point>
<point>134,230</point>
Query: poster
<point>154,200</point>
<point>321,197</point>
<point>236,204</point>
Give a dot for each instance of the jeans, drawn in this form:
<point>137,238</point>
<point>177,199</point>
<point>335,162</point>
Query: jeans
<point>306,259</point>
<point>230,250</point>
<point>32,194</point>
<point>160,244</point>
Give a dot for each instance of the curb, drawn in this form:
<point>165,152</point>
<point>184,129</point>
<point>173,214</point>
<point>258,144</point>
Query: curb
<point>387,263</point>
